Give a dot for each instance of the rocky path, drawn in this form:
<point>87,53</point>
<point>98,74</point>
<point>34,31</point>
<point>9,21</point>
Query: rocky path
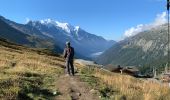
<point>71,88</point>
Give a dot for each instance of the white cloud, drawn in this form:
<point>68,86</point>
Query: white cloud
<point>159,20</point>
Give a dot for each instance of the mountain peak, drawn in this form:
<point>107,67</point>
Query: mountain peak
<point>47,21</point>
<point>77,28</point>
<point>64,26</point>
<point>68,28</point>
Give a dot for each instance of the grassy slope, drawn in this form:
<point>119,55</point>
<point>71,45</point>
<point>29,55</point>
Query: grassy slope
<point>30,74</point>
<point>26,74</point>
<point>113,86</point>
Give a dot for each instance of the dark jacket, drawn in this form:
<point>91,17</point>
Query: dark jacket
<point>68,53</point>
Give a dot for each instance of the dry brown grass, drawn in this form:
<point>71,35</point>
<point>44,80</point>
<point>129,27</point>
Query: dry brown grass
<point>23,70</point>
<point>124,87</point>
<point>132,88</point>
<point>26,74</point>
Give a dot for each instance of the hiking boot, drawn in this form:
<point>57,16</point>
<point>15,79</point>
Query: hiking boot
<point>67,75</point>
<point>72,74</point>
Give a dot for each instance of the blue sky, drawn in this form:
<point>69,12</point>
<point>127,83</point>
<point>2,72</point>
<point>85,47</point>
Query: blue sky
<point>107,18</point>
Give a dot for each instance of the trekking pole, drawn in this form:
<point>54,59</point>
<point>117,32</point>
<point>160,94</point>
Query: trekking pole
<point>168,33</point>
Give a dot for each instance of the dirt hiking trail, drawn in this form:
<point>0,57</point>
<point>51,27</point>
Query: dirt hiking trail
<point>71,88</point>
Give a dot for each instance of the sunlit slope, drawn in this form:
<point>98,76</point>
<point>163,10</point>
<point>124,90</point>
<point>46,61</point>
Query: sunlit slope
<point>27,73</point>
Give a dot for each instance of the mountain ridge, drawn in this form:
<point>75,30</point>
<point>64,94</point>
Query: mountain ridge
<point>146,50</point>
<point>57,33</point>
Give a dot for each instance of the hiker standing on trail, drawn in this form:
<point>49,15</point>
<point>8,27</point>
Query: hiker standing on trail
<point>69,56</point>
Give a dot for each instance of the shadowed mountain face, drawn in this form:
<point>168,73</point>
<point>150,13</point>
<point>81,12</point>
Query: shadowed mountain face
<point>148,48</point>
<point>7,31</point>
<point>56,34</point>
<point>12,34</point>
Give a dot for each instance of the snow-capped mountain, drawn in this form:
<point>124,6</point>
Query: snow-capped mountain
<point>64,26</point>
<point>85,43</point>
